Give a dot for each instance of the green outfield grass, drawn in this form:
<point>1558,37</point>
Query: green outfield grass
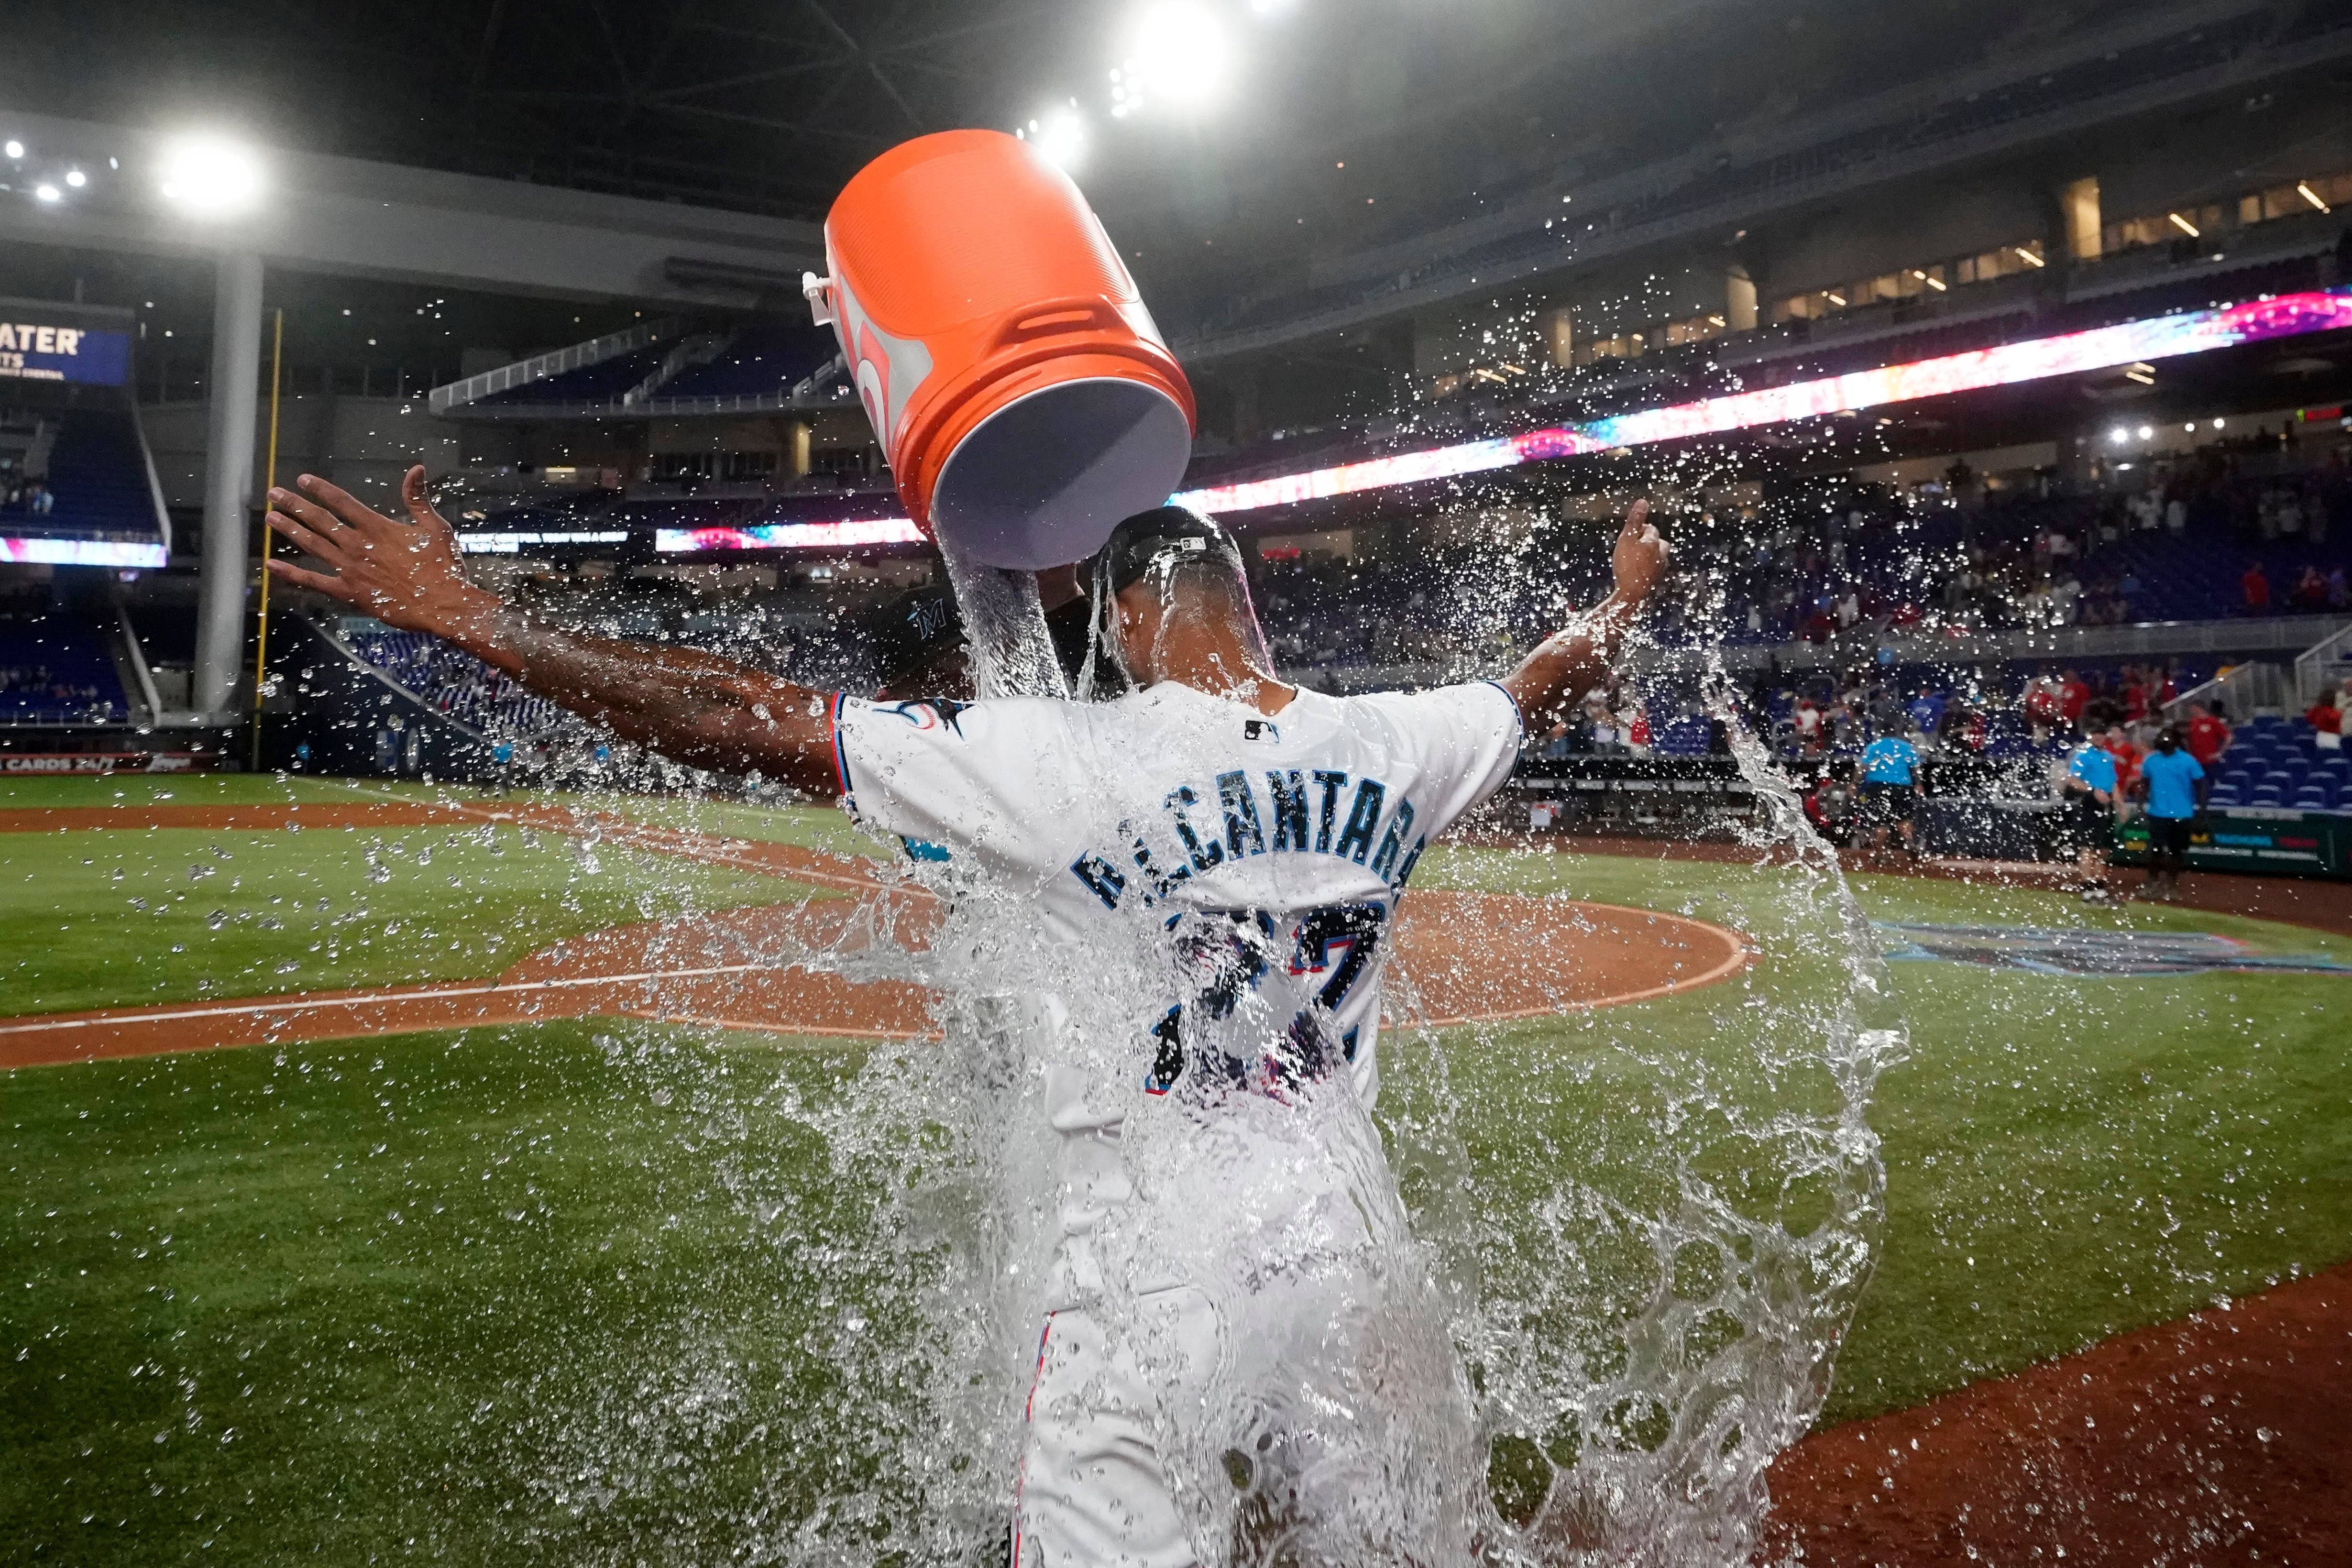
<point>814,826</point>
<point>115,919</point>
<point>518,1293</point>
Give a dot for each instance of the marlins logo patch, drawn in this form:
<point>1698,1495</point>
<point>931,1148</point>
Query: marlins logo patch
<point>935,713</point>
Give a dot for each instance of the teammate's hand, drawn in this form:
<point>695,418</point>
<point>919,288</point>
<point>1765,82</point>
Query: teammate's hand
<point>404,574</point>
<point>1639,559</point>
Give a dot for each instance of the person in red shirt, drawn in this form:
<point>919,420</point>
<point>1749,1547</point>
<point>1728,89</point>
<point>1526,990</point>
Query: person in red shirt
<point>2072,694</point>
<point>2208,735</point>
<point>2117,744</point>
<point>2257,586</point>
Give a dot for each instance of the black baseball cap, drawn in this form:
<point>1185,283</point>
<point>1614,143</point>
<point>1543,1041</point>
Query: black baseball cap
<point>909,633</point>
<point>1163,535</point>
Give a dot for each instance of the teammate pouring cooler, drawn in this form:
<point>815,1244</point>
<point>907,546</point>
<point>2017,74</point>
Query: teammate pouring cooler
<point>1252,838</point>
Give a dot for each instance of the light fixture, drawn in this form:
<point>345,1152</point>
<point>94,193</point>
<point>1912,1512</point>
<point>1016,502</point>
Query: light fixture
<point>1060,135</point>
<point>2029,257</point>
<point>2147,432</point>
<point>47,192</point>
<point>2183,224</point>
<point>1177,53</point>
<point>2216,422</point>
<point>77,179</point>
<point>1834,298</point>
<point>210,176</point>
<point>2302,188</point>
<point>16,149</point>
<point>2119,435</point>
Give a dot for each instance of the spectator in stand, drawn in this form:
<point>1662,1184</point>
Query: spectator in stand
<point>1808,720</point>
<point>2209,733</point>
<point>2339,592</point>
<point>1833,807</point>
<point>2041,705</point>
<point>2256,587</point>
<point>2116,742</point>
<point>1637,731</point>
<point>2175,786</point>
<point>2325,717</point>
<point>2086,795</point>
<point>1890,789</point>
<point>2074,697</point>
<point>2310,593</point>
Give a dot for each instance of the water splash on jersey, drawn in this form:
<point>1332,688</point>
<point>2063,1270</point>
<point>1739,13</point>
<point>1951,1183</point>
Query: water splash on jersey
<point>1557,1303</point>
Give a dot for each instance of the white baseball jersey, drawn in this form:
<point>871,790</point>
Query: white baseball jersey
<point>1282,843</point>
<point>1263,857</point>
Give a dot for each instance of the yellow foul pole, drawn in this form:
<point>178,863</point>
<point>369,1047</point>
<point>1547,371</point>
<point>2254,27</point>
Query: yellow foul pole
<point>261,641</point>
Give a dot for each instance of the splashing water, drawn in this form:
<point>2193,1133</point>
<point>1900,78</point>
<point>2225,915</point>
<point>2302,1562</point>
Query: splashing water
<point>1401,1338</point>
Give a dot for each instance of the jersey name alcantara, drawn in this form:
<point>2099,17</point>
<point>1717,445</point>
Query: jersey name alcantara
<point>1289,837</point>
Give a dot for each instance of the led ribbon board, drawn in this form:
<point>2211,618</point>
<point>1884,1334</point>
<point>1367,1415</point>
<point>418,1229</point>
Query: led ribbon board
<point>81,552</point>
<point>2099,348</point>
<point>844,534</point>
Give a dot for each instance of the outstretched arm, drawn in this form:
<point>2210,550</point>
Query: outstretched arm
<point>693,706</point>
<point>1572,661</point>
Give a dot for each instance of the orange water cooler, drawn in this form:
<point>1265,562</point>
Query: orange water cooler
<point>1013,376</point>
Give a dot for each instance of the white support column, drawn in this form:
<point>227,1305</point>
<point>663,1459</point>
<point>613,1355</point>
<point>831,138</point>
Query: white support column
<point>228,482</point>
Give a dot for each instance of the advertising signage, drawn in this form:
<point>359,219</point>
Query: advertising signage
<point>45,352</point>
<point>50,340</point>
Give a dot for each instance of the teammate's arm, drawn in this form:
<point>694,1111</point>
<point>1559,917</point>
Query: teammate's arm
<point>695,707</point>
<point>1572,661</point>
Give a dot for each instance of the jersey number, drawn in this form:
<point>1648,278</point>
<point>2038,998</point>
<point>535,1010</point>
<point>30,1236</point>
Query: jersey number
<point>1338,941</point>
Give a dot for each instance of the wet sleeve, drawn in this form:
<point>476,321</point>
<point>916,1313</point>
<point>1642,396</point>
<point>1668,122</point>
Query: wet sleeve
<point>957,778</point>
<point>1463,741</point>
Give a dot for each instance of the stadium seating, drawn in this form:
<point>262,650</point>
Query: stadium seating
<point>2279,763</point>
<point>453,683</point>
<point>758,361</point>
<point>603,383</point>
<point>97,478</point>
<point>56,670</point>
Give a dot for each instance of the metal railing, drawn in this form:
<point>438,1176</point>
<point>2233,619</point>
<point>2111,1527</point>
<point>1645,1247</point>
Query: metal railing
<point>2316,666</point>
<point>2245,689</point>
<point>540,366</point>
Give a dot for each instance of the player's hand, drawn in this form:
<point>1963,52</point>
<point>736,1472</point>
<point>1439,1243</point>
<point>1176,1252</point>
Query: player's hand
<point>1639,558</point>
<point>405,574</point>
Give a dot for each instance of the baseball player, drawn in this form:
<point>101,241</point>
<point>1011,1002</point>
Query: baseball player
<point>1257,836</point>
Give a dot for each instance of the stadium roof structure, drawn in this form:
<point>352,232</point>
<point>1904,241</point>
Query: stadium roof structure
<point>1351,140</point>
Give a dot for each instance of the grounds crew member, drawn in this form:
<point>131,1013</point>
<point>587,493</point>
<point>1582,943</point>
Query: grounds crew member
<point>2174,784</point>
<point>1890,790</point>
<point>2086,822</point>
<point>1215,806</point>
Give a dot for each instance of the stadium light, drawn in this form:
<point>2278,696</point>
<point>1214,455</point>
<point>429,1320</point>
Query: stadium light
<point>1177,53</point>
<point>2147,432</point>
<point>77,179</point>
<point>210,176</point>
<point>2119,435</point>
<point>47,192</point>
<point>1060,135</point>
<point>15,149</point>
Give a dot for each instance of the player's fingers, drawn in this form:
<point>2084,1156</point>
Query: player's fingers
<point>420,506</point>
<point>314,579</point>
<point>345,507</point>
<point>1637,518</point>
<point>309,513</point>
<point>304,538</point>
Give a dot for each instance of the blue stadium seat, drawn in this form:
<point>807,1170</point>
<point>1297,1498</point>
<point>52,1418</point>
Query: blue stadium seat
<point>2266,795</point>
<point>2225,795</point>
<point>2315,798</point>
